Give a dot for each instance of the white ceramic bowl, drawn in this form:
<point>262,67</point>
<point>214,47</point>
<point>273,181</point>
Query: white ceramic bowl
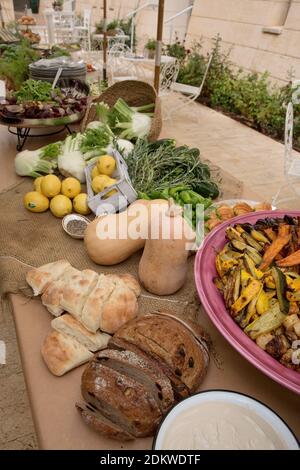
<point>265,413</point>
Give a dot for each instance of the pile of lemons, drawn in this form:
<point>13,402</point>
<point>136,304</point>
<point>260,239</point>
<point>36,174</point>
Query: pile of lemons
<point>102,175</point>
<point>61,196</point>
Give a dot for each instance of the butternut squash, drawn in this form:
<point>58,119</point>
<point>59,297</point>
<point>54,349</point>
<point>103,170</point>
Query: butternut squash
<point>163,265</point>
<point>113,238</point>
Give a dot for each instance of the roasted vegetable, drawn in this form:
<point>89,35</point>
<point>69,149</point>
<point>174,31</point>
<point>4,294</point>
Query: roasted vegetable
<point>264,303</point>
<point>269,321</point>
<point>275,247</point>
<point>291,260</point>
<point>258,236</point>
<point>281,287</point>
<point>246,296</point>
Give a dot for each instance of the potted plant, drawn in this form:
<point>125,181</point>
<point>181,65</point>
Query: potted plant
<point>58,5</point>
<point>150,47</point>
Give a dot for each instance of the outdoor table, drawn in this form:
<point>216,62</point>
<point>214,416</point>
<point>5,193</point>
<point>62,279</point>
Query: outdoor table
<point>145,60</point>
<point>57,422</point>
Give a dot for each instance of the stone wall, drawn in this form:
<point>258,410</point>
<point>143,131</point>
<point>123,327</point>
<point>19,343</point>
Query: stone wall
<point>146,20</point>
<point>263,34</point>
<point>7,11</point>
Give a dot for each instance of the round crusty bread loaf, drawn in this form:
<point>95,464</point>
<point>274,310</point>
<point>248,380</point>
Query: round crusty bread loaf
<point>143,370</point>
<point>170,341</point>
<point>121,399</point>
<point>179,388</point>
<point>99,423</point>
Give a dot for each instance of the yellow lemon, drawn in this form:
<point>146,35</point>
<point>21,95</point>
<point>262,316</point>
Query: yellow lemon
<point>106,165</point>
<point>110,193</point>
<point>70,187</point>
<point>60,205</point>
<point>80,204</point>
<point>100,182</point>
<point>95,172</point>
<point>37,184</point>
<point>107,185</point>
<point>50,185</point>
<point>36,202</point>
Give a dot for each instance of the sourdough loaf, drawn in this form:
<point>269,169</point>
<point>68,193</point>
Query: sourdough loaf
<point>180,390</point>
<point>99,423</point>
<point>130,382</point>
<point>169,342</point>
<point>120,399</point>
<point>143,371</point>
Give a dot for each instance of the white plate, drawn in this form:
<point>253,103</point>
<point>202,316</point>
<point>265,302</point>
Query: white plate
<point>243,401</point>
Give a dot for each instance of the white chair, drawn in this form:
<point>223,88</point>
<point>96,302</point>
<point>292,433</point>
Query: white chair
<point>60,27</point>
<point>291,186</point>
<point>187,94</point>
<point>119,68</point>
<point>83,31</point>
<point>168,76</point>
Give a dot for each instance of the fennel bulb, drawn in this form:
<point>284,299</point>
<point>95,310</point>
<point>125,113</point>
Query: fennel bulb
<point>124,146</point>
<point>125,121</point>
<point>94,125</point>
<point>31,163</point>
<point>71,161</point>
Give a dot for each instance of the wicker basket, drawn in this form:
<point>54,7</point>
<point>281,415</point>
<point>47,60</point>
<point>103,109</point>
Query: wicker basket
<point>135,93</point>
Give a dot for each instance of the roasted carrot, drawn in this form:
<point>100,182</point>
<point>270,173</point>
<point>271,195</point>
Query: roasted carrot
<point>290,260</point>
<point>270,233</point>
<point>276,246</point>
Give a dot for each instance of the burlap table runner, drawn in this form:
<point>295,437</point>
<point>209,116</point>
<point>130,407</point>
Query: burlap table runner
<point>35,239</point>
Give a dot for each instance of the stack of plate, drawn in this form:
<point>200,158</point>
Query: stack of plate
<point>45,69</point>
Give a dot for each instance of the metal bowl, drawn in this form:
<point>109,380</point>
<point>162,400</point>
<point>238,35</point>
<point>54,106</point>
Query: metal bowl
<point>69,218</point>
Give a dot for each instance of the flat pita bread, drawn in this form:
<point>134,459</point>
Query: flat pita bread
<point>40,278</point>
<point>62,353</point>
<point>92,310</point>
<point>52,296</point>
<point>121,307</point>
<point>127,280</point>
<point>68,325</point>
<point>76,290</point>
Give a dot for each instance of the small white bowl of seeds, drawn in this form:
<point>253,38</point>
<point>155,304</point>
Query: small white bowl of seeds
<point>75,225</point>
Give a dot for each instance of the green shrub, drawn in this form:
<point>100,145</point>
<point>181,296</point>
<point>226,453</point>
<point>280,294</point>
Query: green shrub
<point>248,97</point>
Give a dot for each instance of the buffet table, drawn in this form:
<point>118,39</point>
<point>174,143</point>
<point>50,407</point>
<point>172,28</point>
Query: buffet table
<point>58,424</point>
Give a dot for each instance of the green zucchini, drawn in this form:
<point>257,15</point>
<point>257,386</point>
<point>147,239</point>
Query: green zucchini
<point>281,288</point>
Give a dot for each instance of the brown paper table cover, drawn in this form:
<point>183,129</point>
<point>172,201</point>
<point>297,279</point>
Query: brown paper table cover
<point>38,238</point>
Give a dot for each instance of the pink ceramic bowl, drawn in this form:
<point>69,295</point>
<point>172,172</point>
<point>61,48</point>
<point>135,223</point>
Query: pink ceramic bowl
<point>213,303</point>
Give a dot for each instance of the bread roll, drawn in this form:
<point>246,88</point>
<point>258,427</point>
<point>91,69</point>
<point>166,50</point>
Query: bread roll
<point>40,278</point>
<point>70,326</point>
<point>62,353</point>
